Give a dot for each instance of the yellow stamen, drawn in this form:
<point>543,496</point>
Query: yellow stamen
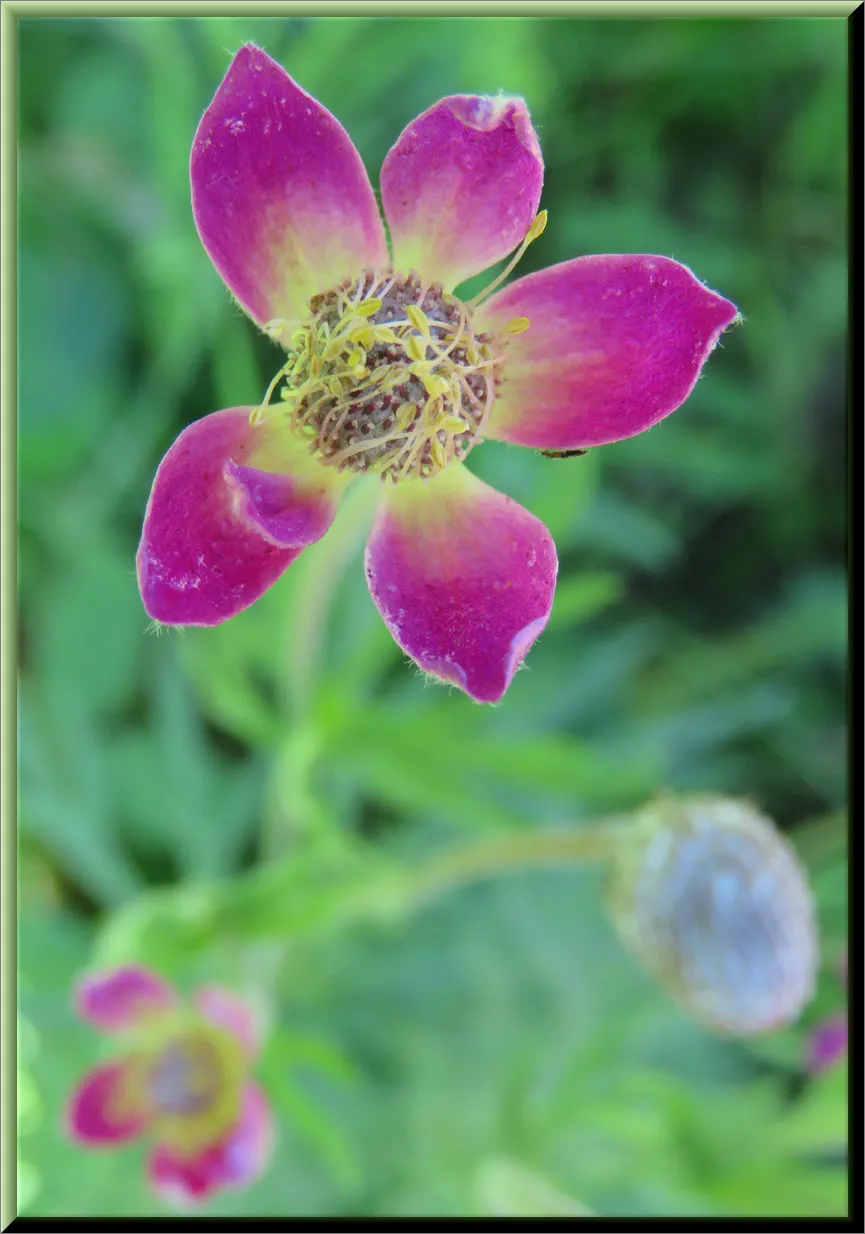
<point>384,334</point>
<point>364,336</point>
<point>454,424</point>
<point>417,318</point>
<point>362,343</point>
<point>415,348</point>
<point>437,451</point>
<point>538,226</point>
<point>388,378</point>
<point>517,325</point>
<point>534,231</point>
<point>258,414</point>
<point>368,308</point>
<point>405,414</point>
<point>434,383</point>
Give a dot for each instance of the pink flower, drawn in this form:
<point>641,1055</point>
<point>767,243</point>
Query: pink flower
<point>827,1043</point>
<point>388,373</point>
<point>181,1077</point>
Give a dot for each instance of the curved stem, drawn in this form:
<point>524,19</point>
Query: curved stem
<point>521,850</point>
<point>298,894</point>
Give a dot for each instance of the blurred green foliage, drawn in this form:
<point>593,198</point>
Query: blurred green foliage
<point>496,1054</point>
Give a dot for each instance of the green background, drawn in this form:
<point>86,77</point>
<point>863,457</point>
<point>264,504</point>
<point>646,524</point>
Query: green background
<point>496,1053</point>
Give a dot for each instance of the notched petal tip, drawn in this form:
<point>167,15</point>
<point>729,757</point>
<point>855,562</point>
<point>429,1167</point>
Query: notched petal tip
<point>464,579</point>
<point>522,641</point>
<point>487,112</point>
<point>461,186</point>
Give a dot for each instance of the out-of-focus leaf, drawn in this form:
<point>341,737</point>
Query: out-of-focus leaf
<point>306,1118</point>
<point>508,1188</point>
<point>583,595</point>
<point>65,804</point>
<point>174,791</point>
<point>72,319</point>
<point>89,627</point>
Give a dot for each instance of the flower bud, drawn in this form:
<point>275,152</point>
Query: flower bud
<point>712,900</point>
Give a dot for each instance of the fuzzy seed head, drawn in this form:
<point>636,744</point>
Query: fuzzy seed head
<point>712,900</point>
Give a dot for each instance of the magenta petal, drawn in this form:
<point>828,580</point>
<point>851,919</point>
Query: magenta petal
<point>235,1161</point>
<point>461,187</point>
<point>218,532</point>
<point>827,1044</point>
<point>281,199</point>
<point>231,1014</point>
<point>281,507</point>
<point>122,997</point>
<point>615,344</point>
<point>463,577</point>
<point>96,1113</point>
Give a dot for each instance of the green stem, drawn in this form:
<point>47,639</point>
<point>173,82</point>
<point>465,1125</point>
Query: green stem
<point>292,810</point>
<point>485,859</point>
<point>298,896</point>
<point>324,568</point>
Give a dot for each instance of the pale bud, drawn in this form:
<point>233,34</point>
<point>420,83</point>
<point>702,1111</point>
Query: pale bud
<point>712,900</point>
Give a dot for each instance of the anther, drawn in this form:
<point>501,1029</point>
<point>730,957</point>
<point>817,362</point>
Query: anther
<point>368,308</point>
<point>517,325</point>
<point>532,234</point>
<point>395,382</point>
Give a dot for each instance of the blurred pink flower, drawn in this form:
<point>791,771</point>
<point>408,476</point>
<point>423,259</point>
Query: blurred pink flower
<point>180,1078</point>
<point>390,374</point>
<point>827,1043</point>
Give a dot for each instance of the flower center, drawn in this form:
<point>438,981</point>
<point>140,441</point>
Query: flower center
<point>186,1077</point>
<point>387,376</point>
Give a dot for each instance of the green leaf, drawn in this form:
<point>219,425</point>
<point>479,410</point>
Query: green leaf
<point>64,802</point>
<point>89,628</point>
<point>508,1188</point>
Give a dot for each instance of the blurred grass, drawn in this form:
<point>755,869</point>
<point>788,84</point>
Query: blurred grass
<point>698,639</point>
